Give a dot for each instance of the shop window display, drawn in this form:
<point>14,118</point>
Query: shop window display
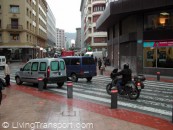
<point>158,54</point>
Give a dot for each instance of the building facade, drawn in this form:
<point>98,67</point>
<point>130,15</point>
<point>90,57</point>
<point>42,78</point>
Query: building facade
<point>23,29</point>
<point>90,12</point>
<point>78,38</point>
<point>51,32</point>
<point>140,33</point>
<point>60,38</point>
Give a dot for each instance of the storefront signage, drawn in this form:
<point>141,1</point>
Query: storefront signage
<point>158,44</point>
<point>163,44</point>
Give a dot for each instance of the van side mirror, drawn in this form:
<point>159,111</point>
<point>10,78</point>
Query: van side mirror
<point>21,69</point>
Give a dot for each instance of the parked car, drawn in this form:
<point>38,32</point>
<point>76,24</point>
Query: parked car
<point>52,70</point>
<point>80,67</point>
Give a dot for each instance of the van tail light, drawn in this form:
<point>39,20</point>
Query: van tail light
<point>81,72</point>
<point>138,84</point>
<point>48,72</point>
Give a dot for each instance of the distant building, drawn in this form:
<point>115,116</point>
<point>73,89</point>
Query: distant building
<point>90,12</point>
<point>60,38</point>
<point>23,29</point>
<point>78,38</point>
<point>51,29</point>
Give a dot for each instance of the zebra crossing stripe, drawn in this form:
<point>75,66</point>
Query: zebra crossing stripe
<point>124,104</point>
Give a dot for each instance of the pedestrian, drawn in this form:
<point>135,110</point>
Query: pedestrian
<point>99,63</point>
<point>95,60</point>
<point>7,73</point>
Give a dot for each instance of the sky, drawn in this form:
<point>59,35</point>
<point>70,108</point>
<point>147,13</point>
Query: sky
<point>67,14</point>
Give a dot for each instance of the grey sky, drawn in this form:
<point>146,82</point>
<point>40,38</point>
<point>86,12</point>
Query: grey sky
<point>67,14</point>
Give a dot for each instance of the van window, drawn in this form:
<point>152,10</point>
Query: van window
<point>27,67</point>
<point>75,61</point>
<point>42,66</point>
<point>3,59</point>
<point>88,61</point>
<point>34,66</point>
<point>54,66</point>
<point>67,61</point>
<point>62,65</point>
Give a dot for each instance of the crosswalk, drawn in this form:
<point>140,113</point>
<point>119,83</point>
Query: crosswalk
<point>155,99</point>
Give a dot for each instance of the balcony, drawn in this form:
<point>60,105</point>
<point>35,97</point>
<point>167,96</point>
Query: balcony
<point>95,2</point>
<point>11,27</point>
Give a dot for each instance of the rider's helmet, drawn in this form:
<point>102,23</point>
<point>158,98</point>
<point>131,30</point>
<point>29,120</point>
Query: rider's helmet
<point>126,66</point>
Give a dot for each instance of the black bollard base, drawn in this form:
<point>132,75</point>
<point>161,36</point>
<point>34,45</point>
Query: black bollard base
<point>114,99</point>
<point>70,92</point>
<point>69,89</point>
<point>158,76</point>
<point>40,84</point>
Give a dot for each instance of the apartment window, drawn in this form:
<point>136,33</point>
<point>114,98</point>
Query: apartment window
<point>14,23</point>
<point>14,8</point>
<point>14,37</point>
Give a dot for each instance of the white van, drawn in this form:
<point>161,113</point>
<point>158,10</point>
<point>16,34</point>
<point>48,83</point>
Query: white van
<point>52,70</point>
<point>97,54</point>
<point>2,61</point>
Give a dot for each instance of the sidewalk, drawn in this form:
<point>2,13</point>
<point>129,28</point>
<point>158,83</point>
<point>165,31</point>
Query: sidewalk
<point>38,108</point>
<point>109,69</point>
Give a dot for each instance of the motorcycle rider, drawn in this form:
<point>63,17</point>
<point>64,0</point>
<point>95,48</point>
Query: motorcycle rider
<point>126,77</point>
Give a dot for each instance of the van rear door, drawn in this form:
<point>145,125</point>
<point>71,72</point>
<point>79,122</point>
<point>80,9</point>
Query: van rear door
<point>89,66</point>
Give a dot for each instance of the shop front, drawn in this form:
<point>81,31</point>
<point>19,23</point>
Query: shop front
<point>15,54</point>
<point>158,56</point>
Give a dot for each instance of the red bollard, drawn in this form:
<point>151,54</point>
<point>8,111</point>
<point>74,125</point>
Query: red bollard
<point>40,83</point>
<point>158,76</point>
<point>69,89</point>
<point>114,93</point>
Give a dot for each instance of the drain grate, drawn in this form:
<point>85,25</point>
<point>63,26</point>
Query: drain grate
<point>69,113</point>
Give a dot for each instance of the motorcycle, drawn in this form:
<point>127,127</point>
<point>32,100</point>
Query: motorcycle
<point>132,88</point>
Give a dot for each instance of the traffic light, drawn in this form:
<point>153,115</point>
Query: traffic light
<point>89,48</point>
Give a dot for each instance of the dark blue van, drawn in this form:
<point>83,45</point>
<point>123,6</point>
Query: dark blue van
<point>80,67</point>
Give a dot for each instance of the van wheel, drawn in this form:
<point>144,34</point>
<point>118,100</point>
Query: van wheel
<point>18,81</point>
<point>74,78</point>
<point>89,79</point>
<point>60,84</point>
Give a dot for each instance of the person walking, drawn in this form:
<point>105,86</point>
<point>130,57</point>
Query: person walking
<point>7,73</point>
<point>99,63</point>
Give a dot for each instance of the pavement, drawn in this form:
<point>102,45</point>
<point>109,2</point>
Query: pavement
<point>26,108</point>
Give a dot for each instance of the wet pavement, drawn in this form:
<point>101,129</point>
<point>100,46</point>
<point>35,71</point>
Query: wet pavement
<point>27,108</point>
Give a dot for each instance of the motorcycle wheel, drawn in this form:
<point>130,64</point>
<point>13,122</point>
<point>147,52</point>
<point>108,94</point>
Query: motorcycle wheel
<point>108,88</point>
<point>134,93</point>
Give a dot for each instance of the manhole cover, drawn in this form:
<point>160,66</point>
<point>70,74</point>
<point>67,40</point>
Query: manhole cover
<point>69,113</point>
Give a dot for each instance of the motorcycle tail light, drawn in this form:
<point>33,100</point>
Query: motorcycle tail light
<point>138,84</point>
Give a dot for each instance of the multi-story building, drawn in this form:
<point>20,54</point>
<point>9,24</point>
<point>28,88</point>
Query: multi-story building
<point>60,38</point>
<point>51,31</point>
<point>90,12</point>
<point>140,33</point>
<point>78,38</point>
<point>23,28</point>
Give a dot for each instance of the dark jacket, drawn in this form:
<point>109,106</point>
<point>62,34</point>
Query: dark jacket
<point>126,75</point>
